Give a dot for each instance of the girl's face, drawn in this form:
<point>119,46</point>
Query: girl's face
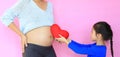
<point>93,35</point>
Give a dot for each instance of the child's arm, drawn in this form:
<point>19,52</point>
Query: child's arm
<point>76,47</point>
<point>80,48</point>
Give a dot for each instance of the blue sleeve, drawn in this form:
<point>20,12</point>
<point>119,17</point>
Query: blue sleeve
<point>80,48</point>
<point>8,17</point>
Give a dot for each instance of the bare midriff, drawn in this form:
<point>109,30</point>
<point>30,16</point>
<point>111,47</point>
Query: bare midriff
<point>40,36</point>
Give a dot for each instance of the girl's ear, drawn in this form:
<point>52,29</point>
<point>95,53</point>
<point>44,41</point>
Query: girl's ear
<point>99,36</point>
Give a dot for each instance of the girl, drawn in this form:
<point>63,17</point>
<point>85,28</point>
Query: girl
<point>35,18</point>
<point>101,32</point>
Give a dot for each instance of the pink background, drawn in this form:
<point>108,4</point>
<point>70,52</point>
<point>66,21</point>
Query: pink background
<point>76,16</point>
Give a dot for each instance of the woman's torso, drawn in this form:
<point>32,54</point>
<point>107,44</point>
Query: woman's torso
<point>35,24</point>
<point>40,36</point>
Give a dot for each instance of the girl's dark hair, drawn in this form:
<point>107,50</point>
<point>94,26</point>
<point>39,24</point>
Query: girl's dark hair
<point>105,30</point>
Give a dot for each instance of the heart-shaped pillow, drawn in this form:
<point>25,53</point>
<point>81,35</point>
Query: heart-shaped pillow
<point>56,30</point>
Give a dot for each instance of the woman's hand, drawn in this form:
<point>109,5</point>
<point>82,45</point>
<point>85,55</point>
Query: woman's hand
<point>23,42</point>
<point>13,27</point>
<point>62,39</point>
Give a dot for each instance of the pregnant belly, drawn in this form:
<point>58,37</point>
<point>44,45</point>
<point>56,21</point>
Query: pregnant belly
<point>40,36</point>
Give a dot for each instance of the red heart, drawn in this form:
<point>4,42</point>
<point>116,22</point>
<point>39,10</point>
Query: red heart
<point>56,30</point>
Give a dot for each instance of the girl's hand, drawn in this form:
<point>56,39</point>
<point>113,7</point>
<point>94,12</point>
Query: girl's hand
<point>62,39</point>
<point>23,42</point>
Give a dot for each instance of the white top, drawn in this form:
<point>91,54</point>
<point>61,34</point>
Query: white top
<point>29,14</point>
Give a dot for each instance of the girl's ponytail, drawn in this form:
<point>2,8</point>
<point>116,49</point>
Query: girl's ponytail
<point>111,46</point>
